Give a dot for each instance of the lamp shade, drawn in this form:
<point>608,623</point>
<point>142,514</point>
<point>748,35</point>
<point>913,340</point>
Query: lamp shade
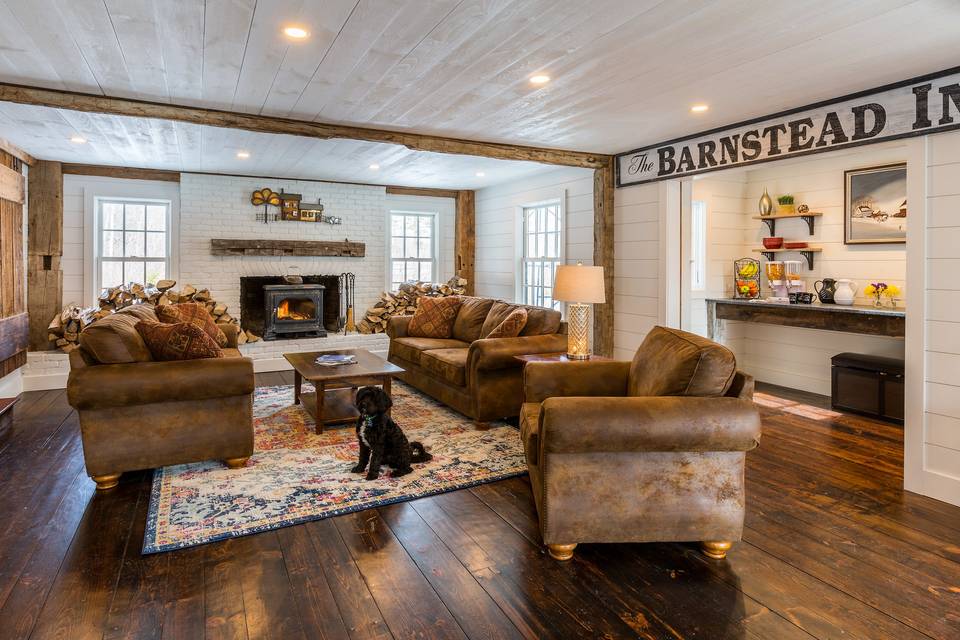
<point>579,283</point>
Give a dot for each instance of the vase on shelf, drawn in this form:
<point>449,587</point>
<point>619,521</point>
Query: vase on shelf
<point>766,203</point>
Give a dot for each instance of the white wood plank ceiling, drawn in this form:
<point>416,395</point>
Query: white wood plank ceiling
<point>624,72</point>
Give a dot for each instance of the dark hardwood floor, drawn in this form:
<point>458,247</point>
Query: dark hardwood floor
<point>833,548</point>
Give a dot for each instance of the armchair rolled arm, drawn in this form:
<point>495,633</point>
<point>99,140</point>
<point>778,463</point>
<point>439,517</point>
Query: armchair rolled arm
<point>587,425</point>
<point>542,380</point>
<point>498,353</point>
<point>121,385</point>
<point>232,331</point>
<point>397,326</point>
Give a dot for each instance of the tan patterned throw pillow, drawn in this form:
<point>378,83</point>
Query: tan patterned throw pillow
<point>195,314</point>
<point>511,326</point>
<point>180,341</point>
<point>434,317</point>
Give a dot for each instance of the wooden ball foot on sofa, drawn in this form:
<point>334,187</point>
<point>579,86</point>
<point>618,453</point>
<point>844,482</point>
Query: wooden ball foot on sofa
<point>107,481</point>
<point>716,549</point>
<point>236,463</point>
<point>561,551</point>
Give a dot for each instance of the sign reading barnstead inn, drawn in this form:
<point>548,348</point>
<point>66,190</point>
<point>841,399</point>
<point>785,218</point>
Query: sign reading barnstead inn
<point>912,108</point>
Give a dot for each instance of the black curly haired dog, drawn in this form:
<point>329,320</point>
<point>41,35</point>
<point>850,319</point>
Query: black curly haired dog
<point>381,439</point>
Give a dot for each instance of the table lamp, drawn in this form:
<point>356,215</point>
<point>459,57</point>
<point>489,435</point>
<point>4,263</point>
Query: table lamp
<point>581,286</point>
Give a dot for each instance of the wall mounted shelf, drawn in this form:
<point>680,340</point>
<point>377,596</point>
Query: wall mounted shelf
<point>346,248</point>
<point>771,220</point>
<point>770,254</point>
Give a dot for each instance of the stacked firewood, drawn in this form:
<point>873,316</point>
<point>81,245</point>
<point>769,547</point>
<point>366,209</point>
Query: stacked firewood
<point>65,328</point>
<point>404,302</point>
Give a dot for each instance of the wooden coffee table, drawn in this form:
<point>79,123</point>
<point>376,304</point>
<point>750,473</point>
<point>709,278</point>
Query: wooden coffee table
<point>333,401</point>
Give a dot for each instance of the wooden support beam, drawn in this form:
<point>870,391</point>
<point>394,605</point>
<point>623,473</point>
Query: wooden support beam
<point>422,191</point>
<point>130,173</point>
<point>603,257</point>
<point>17,152</point>
<point>44,249</point>
<point>13,317</point>
<point>465,239</point>
<point>267,124</point>
<point>11,185</point>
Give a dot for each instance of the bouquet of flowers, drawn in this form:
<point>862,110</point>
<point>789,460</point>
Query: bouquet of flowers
<point>880,290</point>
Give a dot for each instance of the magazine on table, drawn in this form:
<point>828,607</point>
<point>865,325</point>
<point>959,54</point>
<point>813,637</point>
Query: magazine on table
<point>335,360</point>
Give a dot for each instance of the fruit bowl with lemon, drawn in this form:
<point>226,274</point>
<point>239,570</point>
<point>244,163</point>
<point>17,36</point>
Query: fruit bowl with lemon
<point>746,278</point>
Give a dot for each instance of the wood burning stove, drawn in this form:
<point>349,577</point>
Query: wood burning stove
<point>293,309</point>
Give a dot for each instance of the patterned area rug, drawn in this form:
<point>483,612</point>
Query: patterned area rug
<point>296,476</point>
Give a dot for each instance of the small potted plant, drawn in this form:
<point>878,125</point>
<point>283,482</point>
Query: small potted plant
<point>785,205</point>
<point>880,290</point>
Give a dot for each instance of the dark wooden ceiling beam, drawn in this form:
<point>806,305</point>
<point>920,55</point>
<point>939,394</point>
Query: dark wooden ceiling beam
<point>129,173</point>
<point>268,124</point>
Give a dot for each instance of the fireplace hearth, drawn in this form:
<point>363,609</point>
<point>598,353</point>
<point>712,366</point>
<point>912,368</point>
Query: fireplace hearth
<point>293,309</point>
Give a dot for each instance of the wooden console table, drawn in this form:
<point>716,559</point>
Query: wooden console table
<point>850,319</point>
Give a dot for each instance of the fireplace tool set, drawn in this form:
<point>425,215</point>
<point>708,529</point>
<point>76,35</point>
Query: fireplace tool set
<point>346,320</point>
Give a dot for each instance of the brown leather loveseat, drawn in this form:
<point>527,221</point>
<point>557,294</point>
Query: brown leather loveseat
<point>136,413</point>
<point>646,451</point>
<point>477,376</point>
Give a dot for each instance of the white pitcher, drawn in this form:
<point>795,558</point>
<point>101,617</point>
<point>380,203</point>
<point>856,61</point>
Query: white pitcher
<point>845,292</point>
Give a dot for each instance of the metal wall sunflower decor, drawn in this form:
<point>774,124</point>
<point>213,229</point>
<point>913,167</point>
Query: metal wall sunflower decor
<point>265,197</point>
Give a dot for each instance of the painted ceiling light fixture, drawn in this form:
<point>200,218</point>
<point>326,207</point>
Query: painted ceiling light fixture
<point>243,155</point>
<point>77,139</point>
<point>539,78</point>
<point>700,108</point>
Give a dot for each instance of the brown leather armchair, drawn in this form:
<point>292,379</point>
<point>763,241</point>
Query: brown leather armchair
<point>141,414</point>
<point>646,451</point>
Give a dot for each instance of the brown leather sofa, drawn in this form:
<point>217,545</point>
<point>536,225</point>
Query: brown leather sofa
<point>646,451</point>
<point>140,414</point>
<point>477,376</point>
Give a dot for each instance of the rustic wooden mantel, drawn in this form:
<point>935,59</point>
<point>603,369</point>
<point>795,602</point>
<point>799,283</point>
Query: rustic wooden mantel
<point>852,319</point>
<point>219,247</point>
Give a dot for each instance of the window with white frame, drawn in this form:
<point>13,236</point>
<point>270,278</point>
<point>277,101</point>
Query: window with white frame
<point>542,252</point>
<point>698,246</point>
<point>413,254</point>
<point>133,242</point>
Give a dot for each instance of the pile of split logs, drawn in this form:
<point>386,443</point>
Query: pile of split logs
<point>404,302</point>
<point>65,328</point>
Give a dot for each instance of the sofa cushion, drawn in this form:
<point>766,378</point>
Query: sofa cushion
<point>540,320</point>
<point>179,341</point>
<point>115,340</point>
<point>671,362</point>
<point>530,430</point>
<point>195,314</point>
<point>511,326</point>
<point>434,317</point>
<point>449,365</point>
<point>143,311</point>
<point>473,311</point>
<point>410,348</point>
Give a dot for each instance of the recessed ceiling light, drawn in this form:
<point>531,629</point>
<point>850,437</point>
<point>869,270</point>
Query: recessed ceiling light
<point>77,139</point>
<point>374,167</point>
<point>243,154</point>
<point>540,78</point>
<point>297,33</point>
<point>699,108</point>
<point>480,174</point>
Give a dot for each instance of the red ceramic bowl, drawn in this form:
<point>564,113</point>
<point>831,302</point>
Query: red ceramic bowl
<point>795,245</point>
<point>772,243</point>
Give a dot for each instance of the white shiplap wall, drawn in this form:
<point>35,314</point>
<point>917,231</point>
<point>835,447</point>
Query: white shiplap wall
<point>497,214</point>
<point>941,442</point>
<point>637,267</point>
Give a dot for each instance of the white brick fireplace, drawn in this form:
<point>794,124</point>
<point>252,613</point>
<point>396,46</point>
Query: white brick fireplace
<point>216,206</point>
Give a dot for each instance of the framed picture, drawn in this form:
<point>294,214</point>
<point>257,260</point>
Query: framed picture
<point>875,205</point>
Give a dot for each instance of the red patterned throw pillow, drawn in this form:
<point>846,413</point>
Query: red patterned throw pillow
<point>179,341</point>
<point>511,326</point>
<point>434,317</point>
<point>195,314</point>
